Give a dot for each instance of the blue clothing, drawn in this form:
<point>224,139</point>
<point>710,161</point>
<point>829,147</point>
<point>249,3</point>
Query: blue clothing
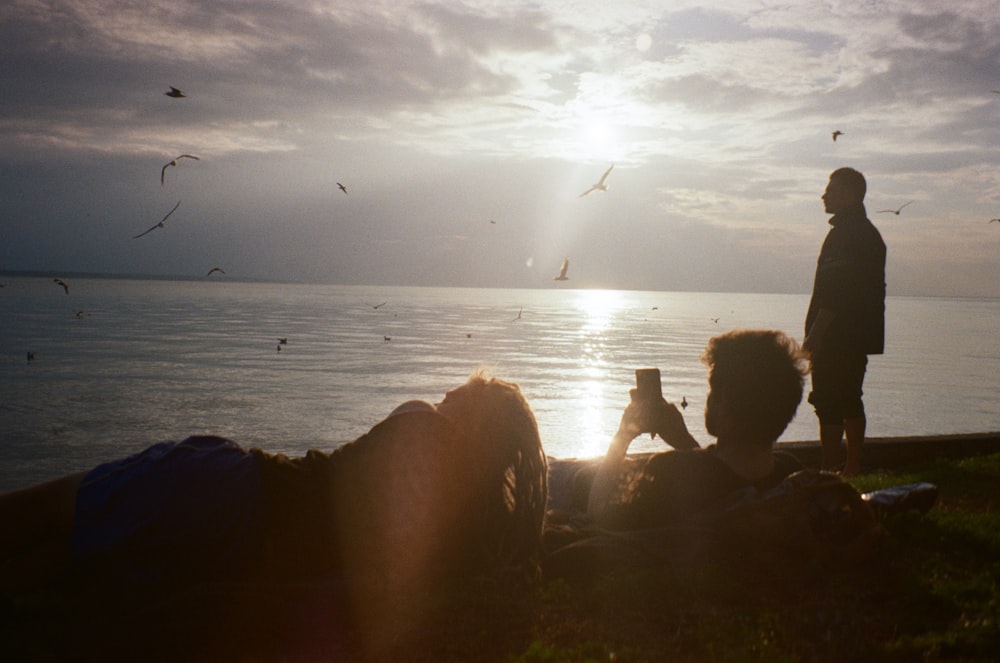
<point>176,513</point>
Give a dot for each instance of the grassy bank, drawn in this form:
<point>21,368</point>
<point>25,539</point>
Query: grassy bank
<point>931,592</point>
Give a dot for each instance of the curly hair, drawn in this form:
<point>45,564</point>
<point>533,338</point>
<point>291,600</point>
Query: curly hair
<point>760,374</point>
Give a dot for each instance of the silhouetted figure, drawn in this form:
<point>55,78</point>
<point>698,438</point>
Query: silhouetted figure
<point>342,188</point>
<point>755,380</point>
<point>837,133</point>
<point>363,539</point>
<point>846,318</point>
<point>175,93</point>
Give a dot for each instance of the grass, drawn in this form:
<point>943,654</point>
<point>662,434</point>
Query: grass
<point>929,592</point>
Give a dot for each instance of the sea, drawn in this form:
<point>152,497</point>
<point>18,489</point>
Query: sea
<point>114,365</point>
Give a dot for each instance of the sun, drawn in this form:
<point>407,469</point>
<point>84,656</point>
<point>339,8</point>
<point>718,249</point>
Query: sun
<point>598,139</point>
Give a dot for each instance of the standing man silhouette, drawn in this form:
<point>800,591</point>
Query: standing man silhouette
<point>846,319</point>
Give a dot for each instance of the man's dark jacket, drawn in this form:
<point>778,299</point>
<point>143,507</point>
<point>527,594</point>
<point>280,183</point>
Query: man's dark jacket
<point>850,282</point>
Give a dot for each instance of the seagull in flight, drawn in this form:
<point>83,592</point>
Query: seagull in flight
<point>173,162</point>
<point>600,185</point>
<point>562,271</point>
<point>992,220</point>
<point>894,211</point>
<point>342,188</point>
<point>175,93</point>
<point>160,224</point>
<point>214,270</point>
<point>64,285</point>
<point>518,315</point>
<point>836,133</point>
<point>378,306</point>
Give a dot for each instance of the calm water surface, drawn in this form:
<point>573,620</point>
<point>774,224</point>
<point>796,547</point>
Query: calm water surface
<point>152,360</point>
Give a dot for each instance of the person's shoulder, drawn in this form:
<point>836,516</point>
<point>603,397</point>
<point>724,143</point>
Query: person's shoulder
<point>410,421</point>
<point>683,460</point>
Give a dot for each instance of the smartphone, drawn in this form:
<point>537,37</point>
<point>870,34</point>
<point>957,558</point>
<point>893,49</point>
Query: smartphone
<point>647,383</point>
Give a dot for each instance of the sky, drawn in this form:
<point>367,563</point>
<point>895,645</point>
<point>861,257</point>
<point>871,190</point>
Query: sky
<point>465,132</point>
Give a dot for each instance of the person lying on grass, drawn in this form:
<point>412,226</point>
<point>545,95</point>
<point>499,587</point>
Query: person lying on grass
<point>430,496</point>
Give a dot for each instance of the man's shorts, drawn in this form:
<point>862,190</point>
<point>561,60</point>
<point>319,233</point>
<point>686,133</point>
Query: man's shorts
<point>836,387</point>
<point>176,513</point>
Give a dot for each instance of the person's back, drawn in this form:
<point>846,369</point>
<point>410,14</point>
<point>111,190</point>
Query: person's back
<point>673,486</point>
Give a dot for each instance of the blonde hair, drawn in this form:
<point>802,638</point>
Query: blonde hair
<point>505,450</point>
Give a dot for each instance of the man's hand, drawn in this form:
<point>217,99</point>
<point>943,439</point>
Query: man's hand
<point>658,417</point>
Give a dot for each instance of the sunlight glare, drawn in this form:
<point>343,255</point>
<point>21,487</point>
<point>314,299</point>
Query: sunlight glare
<point>600,308</point>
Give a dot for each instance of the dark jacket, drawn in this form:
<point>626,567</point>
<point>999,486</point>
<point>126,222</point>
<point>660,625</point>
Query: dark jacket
<point>850,282</point>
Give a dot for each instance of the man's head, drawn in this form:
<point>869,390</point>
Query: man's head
<point>845,190</point>
<point>755,380</point>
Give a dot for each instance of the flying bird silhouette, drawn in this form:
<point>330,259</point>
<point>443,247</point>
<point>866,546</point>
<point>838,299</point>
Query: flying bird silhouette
<point>518,314</point>
<point>160,224</point>
<point>562,271</point>
<point>173,162</point>
<point>342,188</point>
<point>992,220</point>
<point>175,93</point>
<point>600,185</point>
<point>836,133</point>
<point>378,306</point>
<point>283,340</point>
<point>63,284</point>
<point>214,270</point>
<point>684,402</point>
<point>894,211</point>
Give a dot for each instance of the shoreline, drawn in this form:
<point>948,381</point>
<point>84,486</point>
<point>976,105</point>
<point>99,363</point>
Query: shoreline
<point>895,452</point>
<point>879,452</point>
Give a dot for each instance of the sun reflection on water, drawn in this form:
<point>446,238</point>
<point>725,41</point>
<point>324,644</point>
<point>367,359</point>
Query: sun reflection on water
<point>599,308</point>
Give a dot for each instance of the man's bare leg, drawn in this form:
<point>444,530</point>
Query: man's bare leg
<point>830,438</point>
<point>855,432</point>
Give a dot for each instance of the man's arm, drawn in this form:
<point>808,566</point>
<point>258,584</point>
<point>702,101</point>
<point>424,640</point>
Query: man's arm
<point>666,421</point>
<point>814,336</point>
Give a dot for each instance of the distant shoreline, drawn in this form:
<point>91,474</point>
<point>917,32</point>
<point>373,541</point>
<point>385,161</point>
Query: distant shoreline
<point>14,273</point>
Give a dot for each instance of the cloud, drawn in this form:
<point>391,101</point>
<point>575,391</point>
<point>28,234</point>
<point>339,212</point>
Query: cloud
<point>438,115</point>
